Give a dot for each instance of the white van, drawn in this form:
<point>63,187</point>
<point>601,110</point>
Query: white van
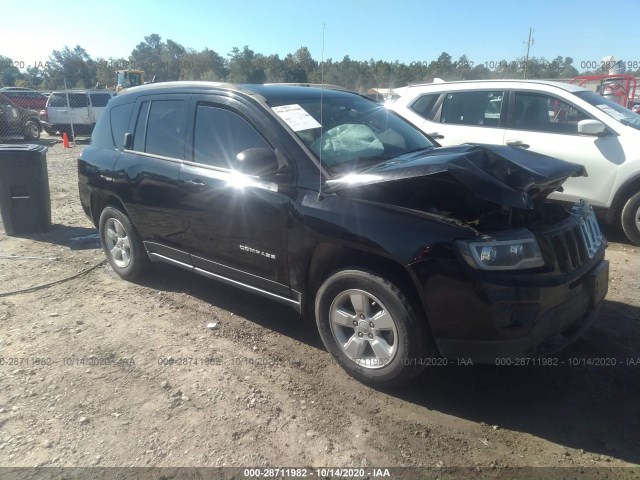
<point>80,108</point>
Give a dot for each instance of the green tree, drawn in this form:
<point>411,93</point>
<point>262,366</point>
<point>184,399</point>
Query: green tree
<point>33,78</point>
<point>9,74</point>
<point>293,70</point>
<point>204,65</point>
<point>172,53</point>
<point>157,58</point>
<point>73,66</point>
<point>245,66</point>
<point>443,67</point>
<point>274,69</point>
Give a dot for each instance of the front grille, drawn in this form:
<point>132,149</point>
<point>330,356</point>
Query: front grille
<point>576,241</point>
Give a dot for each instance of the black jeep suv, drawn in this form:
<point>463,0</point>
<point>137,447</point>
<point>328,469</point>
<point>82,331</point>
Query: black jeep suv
<point>405,252</point>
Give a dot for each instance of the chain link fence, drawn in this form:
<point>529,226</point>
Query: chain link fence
<point>30,116</point>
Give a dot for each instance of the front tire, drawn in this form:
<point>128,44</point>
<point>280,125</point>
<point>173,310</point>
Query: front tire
<point>121,244</point>
<point>630,218</point>
<point>371,328</point>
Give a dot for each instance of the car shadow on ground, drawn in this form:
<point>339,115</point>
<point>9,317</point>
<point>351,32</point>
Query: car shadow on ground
<point>259,310</point>
<point>76,238</point>
<point>587,400</point>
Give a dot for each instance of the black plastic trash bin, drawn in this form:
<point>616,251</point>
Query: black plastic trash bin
<point>25,201</point>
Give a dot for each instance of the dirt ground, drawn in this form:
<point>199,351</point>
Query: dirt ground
<point>86,377</point>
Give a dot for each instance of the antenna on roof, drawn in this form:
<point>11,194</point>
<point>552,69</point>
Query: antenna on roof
<point>321,102</point>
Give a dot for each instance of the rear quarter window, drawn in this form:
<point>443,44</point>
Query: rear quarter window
<point>78,100</point>
<point>99,99</point>
<point>120,117</point>
<point>424,104</point>
<point>57,100</point>
<point>101,135</point>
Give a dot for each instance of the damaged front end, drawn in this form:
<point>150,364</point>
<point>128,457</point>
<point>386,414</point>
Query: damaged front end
<point>499,192</point>
<point>529,274</point>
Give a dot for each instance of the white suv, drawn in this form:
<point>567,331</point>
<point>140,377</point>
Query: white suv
<point>553,118</point>
<point>82,108</point>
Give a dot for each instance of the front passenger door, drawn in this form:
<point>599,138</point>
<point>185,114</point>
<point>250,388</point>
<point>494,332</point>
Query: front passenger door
<point>236,223</point>
<point>547,124</point>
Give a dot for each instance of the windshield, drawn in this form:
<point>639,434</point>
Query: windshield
<point>613,109</point>
<point>350,133</point>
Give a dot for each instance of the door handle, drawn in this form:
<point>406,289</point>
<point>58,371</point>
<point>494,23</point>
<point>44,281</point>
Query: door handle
<point>196,182</point>
<point>517,143</point>
<point>436,135</point>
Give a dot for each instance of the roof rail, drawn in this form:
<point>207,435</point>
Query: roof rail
<point>316,85</point>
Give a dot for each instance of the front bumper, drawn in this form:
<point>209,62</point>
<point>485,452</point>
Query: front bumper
<point>552,329</point>
<point>484,316</point>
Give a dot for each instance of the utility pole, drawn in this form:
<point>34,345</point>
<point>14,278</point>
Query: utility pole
<point>526,62</point>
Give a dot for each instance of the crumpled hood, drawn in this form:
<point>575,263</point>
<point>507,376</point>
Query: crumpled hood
<point>505,175</point>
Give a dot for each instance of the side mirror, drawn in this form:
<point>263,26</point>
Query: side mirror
<point>127,142</point>
<point>591,127</point>
<point>257,162</point>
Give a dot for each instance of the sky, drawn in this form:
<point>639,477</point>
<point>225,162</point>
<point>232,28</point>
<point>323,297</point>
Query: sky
<point>403,30</point>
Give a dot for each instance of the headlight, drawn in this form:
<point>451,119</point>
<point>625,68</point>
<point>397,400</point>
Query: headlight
<point>517,253</point>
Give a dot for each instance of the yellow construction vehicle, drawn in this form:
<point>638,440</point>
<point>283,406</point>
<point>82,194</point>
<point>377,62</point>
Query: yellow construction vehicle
<point>129,78</point>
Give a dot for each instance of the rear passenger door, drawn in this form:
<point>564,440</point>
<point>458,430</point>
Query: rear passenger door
<point>79,109</point>
<point>467,117</point>
<point>236,222</point>
<point>66,108</point>
<point>147,173</point>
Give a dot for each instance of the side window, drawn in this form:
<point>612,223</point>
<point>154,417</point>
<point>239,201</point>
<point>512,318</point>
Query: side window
<point>57,100</point>
<point>78,100</point>
<point>545,113</point>
<point>165,128</point>
<point>472,108</point>
<point>120,123</point>
<point>423,106</point>
<point>220,135</point>
<point>99,99</point>
<point>160,128</point>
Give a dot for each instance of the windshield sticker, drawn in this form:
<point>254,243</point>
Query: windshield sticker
<point>296,117</point>
<point>611,112</point>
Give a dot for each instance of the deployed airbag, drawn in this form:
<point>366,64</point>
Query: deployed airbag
<point>347,142</point>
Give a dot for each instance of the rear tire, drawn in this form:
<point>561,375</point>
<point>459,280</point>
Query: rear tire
<point>121,244</point>
<point>31,131</point>
<point>630,218</point>
<point>371,328</point>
